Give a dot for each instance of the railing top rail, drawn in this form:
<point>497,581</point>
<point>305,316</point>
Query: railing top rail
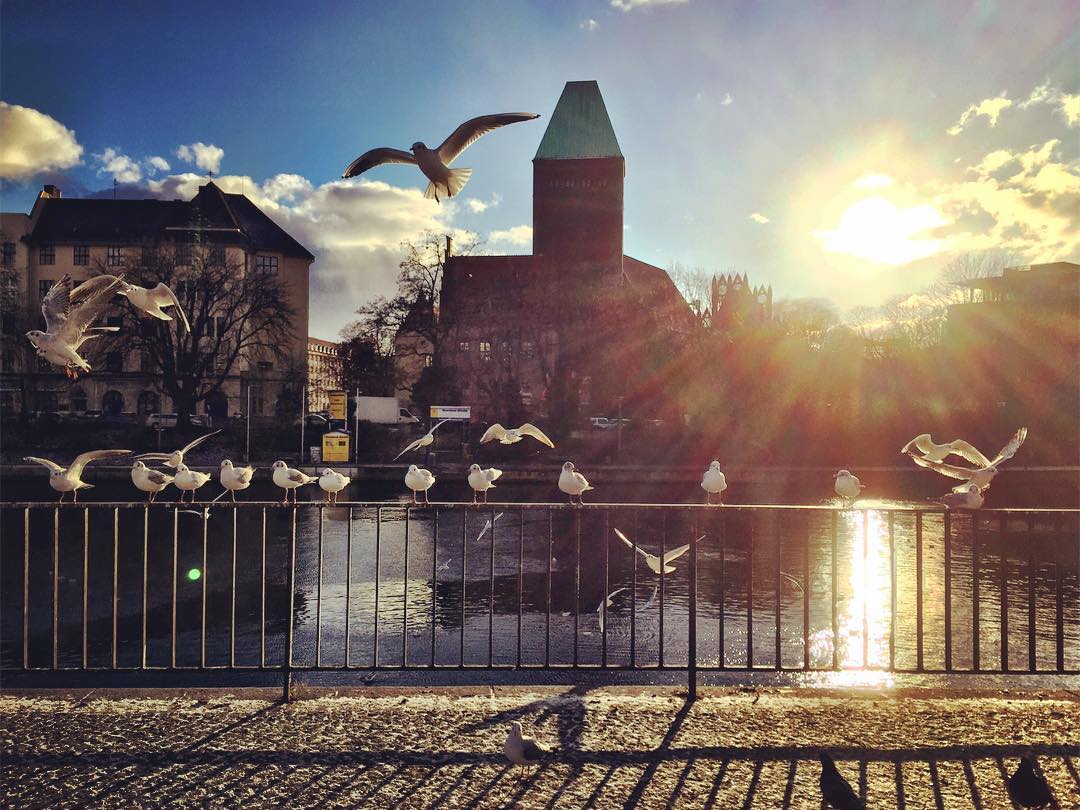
<point>716,508</point>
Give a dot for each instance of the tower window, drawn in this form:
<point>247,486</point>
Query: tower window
<point>80,255</point>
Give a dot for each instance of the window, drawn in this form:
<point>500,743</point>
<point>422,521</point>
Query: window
<point>463,347</point>
<point>216,256</point>
<point>7,254</point>
<point>115,256</point>
<point>485,351</point>
<point>44,285</point>
<point>266,264</point>
<point>505,352</point>
<point>47,254</point>
<point>80,255</point>
<point>114,362</point>
<point>528,349</point>
<point>266,365</point>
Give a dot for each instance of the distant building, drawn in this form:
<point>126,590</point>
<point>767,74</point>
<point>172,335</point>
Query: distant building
<point>574,325</point>
<point>76,236</point>
<point>734,302</point>
<point>324,372</point>
<point>413,349</point>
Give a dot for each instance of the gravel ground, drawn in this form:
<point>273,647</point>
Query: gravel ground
<point>618,746</point>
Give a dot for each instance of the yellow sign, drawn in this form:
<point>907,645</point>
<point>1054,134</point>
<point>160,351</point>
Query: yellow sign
<point>339,404</point>
<point>335,447</point>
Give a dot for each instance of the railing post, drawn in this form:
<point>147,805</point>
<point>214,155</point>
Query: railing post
<point>691,667</point>
<point>286,688</point>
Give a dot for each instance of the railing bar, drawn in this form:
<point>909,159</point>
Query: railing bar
<point>521,580</point>
<point>232,596</point>
<point>145,578</point>
<point>26,589</point>
<point>779,588</point>
<point>577,581</point>
<point>865,584</point>
<point>1003,592</point>
<point>633,576</point>
<point>750,593</point>
<point>1059,597</point>
<point>405,594</point>
<point>947,534</point>
<point>115,582</point>
<point>691,654</point>
<point>262,595</point>
<point>975,606</point>
<point>375,619</point>
<point>434,577</point>
<point>723,586</point>
<point>918,592</point>
<point>835,620</point>
<point>290,593</point>
<point>175,581</point>
<point>203,578</point>
<point>85,583</point>
<point>806,594</point>
<point>663,583</point>
<point>348,581</point>
<point>491,595</point>
<point>56,591</point>
<point>1033,571</point>
<point>892,593</point>
<point>464,560</point>
<point>607,587</point>
<point>547,621</point>
<point>318,591</point>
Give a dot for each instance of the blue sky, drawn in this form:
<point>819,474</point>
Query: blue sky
<point>806,144</point>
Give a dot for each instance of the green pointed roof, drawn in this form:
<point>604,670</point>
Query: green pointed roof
<point>579,127</point>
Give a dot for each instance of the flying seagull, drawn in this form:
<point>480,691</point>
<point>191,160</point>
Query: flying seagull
<point>152,301</point>
<point>149,481</point>
<point>69,479</point>
<point>513,435</point>
<point>939,452</point>
<point>1027,787</point>
<point>69,311</point>
<point>573,483</point>
<point>523,751</point>
<point>835,788</point>
<point>607,602</point>
<point>983,473</point>
<point>488,524</point>
<point>435,163</point>
<point>652,560</point>
<point>176,457</point>
<point>423,441</point>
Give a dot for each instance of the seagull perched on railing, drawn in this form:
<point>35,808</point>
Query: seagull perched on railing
<point>418,479</point>
<point>513,435</point>
<point>176,457</point>
<point>573,483</point>
<point>332,482</point>
<point>149,481</point>
<point>69,479</point>
<point>423,441</point>
<point>971,497</point>
<point>714,483</point>
<point>482,480</point>
<point>435,163</point>
<point>187,480</point>
<point>69,312</point>
<point>235,478</point>
<point>847,486</point>
<point>289,479</point>
<point>983,473</point>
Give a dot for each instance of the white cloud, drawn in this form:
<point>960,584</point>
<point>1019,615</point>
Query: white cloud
<point>630,5</point>
<point>759,218</point>
<point>519,235</point>
<point>1068,104</point>
<point>480,206</point>
<point>32,142</point>
<point>204,155</point>
<point>991,108</point>
<point>156,163</point>
<point>874,228</point>
<point>873,181</point>
<point>727,100</point>
<point>122,168</point>
<point>588,25</point>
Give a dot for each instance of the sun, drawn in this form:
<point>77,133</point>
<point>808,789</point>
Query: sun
<point>874,228</point>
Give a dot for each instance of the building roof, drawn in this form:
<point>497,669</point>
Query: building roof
<point>224,218</point>
<point>659,291</point>
<point>580,127</point>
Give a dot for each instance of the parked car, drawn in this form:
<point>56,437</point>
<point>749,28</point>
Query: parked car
<point>162,420</point>
<point>602,422</point>
<point>89,416</point>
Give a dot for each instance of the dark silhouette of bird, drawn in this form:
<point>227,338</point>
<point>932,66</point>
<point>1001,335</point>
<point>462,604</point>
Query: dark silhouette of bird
<point>835,788</point>
<point>1027,787</point>
<point>435,163</point>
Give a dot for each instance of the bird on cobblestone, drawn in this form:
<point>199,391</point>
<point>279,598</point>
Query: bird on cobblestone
<point>573,483</point>
<point>835,788</point>
<point>150,481</point>
<point>523,751</point>
<point>714,483</point>
<point>1027,787</point>
<point>482,480</point>
<point>289,479</point>
<point>69,479</point>
<point>235,478</point>
<point>419,480</point>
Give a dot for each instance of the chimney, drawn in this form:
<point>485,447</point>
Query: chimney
<point>449,247</point>
<point>51,192</point>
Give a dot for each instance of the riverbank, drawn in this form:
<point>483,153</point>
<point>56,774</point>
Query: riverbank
<point>618,746</point>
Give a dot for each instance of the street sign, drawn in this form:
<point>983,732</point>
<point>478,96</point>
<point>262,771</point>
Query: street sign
<point>339,404</point>
<point>463,412</point>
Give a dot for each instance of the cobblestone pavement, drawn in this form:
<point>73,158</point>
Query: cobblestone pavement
<point>618,746</point>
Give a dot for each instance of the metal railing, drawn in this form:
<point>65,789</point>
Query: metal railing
<point>743,548</point>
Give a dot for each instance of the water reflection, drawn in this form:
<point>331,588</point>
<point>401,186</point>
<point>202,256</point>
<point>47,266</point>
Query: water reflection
<point>866,615</point>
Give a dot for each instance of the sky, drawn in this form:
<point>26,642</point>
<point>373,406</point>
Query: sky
<point>837,150</point>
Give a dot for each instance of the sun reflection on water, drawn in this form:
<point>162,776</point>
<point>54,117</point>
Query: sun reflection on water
<point>864,618</point>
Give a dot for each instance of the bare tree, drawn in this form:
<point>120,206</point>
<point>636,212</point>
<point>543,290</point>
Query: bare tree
<point>695,284</point>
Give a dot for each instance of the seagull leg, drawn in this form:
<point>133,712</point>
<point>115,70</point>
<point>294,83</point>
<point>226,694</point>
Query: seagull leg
<point>413,497</point>
<point>426,501</point>
<point>74,496</point>
<point>233,493</point>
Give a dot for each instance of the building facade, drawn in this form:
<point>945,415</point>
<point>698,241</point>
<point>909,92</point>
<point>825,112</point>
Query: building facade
<point>324,372</point>
<point>83,237</point>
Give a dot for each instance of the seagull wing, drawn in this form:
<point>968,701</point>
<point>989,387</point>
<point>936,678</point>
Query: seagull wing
<point>614,593</point>
<point>52,465</point>
<point>626,540</point>
<point>493,434</point>
<point>951,470</point>
<point>531,750</point>
<point>1009,450</point>
<point>164,293</point>
<point>468,133</point>
<point>81,461</point>
<point>675,553</point>
<point>921,443</point>
<point>298,477</point>
<point>196,442</point>
<point>529,429</point>
<point>437,426</point>
<point>91,303</point>
<point>411,446</point>
<point>158,478</point>
<point>969,452</point>
<point>491,474</point>
<point>55,304</point>
<point>377,157</point>
<point>154,456</point>
<point>91,286</point>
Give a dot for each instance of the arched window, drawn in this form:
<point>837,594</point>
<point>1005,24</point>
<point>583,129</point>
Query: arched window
<point>112,402</point>
<point>149,403</point>
<point>78,400</point>
<point>217,405</point>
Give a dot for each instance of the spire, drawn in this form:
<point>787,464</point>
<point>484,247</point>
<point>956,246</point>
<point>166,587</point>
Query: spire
<point>580,127</point>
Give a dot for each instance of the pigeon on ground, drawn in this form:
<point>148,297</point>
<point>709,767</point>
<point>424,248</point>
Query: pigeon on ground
<point>234,478</point>
<point>523,751</point>
<point>147,480</point>
<point>435,163</point>
<point>290,480</point>
<point>970,498</point>
<point>1027,787</point>
<point>513,435</point>
<point>655,563</point>
<point>332,482</point>
<point>69,311</point>
<point>983,473</point>
<point>418,479</point>
<point>423,441</point>
<point>714,483</point>
<point>68,479</point>
<point>151,301</point>
<point>573,483</point>
<point>187,480</point>
<point>847,486</point>
<point>835,789</point>
<point>482,480</point>
<point>176,457</point>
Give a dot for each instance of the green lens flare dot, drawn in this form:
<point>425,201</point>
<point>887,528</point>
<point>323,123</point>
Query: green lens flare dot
<point>194,574</point>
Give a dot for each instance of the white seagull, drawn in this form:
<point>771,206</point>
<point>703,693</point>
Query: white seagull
<point>187,480</point>
<point>573,483</point>
<point>419,480</point>
<point>234,478</point>
<point>488,524</point>
<point>423,441</point>
<point>652,560</point>
<point>148,480</point>
<point>847,486</point>
<point>290,480</point>
<point>714,483</point>
<point>68,479</point>
<point>332,482</point>
<point>939,452</point>
<point>523,751</point>
<point>176,457</point>
<point>435,163</point>
<point>980,475</point>
<point>152,301</point>
<point>68,312</point>
<point>482,480</point>
<point>608,603</point>
<point>970,498</point>
<point>513,435</point>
